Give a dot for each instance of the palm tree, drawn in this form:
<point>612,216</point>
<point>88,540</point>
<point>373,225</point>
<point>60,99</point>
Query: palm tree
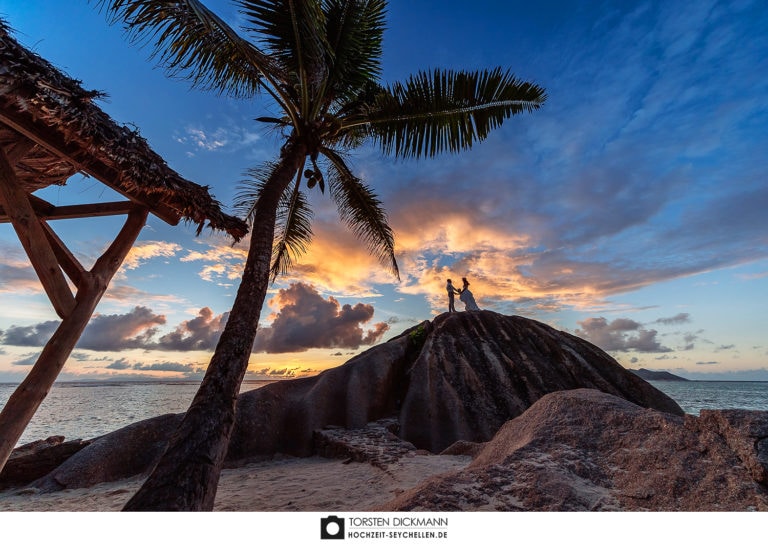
<point>319,60</point>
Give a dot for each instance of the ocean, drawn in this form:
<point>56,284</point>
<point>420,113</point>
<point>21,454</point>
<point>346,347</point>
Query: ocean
<point>694,396</point>
<point>91,409</point>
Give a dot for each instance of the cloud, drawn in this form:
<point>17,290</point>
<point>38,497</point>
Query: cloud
<point>337,262</point>
<point>224,262</point>
<point>121,331</point>
<point>620,335</point>
<point>223,138</point>
<point>120,364</point>
<point>708,363</point>
<point>688,339</point>
<point>29,335</point>
<point>303,320</point>
<point>18,276</point>
<point>85,356</point>
<point>168,366</point>
<point>551,221</point>
<point>206,141</point>
<point>674,320</point>
<point>200,333</point>
<point>285,372</point>
<point>753,276</point>
<point>27,359</point>
<point>121,293</point>
<point>144,251</point>
<point>104,332</point>
<point>306,320</point>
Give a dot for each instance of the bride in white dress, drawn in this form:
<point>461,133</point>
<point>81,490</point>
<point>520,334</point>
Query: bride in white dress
<point>466,296</point>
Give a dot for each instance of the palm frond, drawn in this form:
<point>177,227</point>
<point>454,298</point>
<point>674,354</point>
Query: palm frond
<point>293,233</point>
<point>251,189</point>
<point>448,111</point>
<point>352,116</point>
<point>293,227</point>
<point>361,211</point>
<point>355,29</point>
<point>292,32</point>
<point>193,43</point>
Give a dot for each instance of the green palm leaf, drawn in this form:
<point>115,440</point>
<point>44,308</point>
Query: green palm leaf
<point>193,43</point>
<point>361,211</point>
<point>448,111</point>
<point>355,30</point>
<point>293,233</point>
<point>251,189</point>
<point>293,228</point>
<point>292,32</point>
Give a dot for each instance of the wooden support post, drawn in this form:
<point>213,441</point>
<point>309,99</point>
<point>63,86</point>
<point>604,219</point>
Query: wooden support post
<point>68,262</point>
<point>32,236</point>
<point>26,399</point>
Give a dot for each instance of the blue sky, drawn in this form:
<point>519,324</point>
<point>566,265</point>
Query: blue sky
<point>629,210</point>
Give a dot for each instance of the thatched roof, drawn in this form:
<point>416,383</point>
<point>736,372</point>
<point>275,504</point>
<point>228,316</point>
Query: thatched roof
<point>52,129</point>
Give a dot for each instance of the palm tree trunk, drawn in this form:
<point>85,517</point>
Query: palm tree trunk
<point>187,476</point>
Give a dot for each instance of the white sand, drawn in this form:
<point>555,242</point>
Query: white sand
<point>287,485</point>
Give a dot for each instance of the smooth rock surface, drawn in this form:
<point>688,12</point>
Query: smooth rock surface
<point>479,369</point>
<point>36,459</point>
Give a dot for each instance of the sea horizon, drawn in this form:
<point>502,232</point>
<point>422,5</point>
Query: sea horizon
<point>88,408</point>
<point>270,380</point>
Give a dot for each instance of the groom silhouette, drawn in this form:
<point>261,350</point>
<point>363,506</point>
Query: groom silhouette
<point>451,290</point>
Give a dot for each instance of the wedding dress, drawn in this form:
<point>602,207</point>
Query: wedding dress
<point>468,299</point>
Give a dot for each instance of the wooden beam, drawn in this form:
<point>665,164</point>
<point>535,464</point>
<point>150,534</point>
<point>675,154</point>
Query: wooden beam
<point>40,206</point>
<point>108,264</point>
<point>49,212</point>
<point>103,209</point>
<point>52,141</point>
<point>15,154</point>
<point>34,240</point>
<point>66,259</point>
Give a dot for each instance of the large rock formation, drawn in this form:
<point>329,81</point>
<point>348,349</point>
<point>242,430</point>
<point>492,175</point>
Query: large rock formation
<point>658,375</point>
<point>119,454</point>
<point>479,369</point>
<point>459,377</point>
<point>586,450</point>
<point>38,458</point>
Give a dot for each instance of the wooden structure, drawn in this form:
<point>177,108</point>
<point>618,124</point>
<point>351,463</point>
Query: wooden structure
<point>50,130</point>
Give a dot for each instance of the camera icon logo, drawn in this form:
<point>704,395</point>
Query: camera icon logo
<point>332,528</point>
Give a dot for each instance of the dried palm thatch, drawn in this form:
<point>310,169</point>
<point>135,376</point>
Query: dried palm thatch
<point>51,129</point>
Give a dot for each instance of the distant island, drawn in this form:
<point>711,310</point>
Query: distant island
<point>659,375</point>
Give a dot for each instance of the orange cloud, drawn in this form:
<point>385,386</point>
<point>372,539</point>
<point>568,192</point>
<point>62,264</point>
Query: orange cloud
<point>143,251</point>
<point>225,261</point>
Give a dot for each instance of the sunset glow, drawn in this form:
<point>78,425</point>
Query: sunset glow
<point>629,210</point>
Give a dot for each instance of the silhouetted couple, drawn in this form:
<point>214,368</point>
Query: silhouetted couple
<point>465,295</point>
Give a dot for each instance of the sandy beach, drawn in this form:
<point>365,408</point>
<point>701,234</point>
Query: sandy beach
<point>287,484</point>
